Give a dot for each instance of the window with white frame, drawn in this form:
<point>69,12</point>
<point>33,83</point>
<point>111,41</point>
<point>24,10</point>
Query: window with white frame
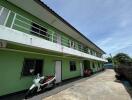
<point>3,15</point>
<point>93,65</point>
<point>39,30</point>
<point>79,46</point>
<point>94,53</point>
<point>0,8</point>
<point>91,52</point>
<point>85,49</point>
<point>71,44</point>
<point>58,38</point>
<point>76,45</point>
<point>88,50</point>
<point>32,67</point>
<point>99,64</point>
<point>72,66</point>
<point>82,47</point>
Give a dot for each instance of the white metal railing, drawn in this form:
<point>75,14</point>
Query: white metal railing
<point>24,24</point>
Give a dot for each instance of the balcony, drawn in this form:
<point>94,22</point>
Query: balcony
<point>19,29</point>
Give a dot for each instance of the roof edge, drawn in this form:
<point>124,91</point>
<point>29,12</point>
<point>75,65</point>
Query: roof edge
<point>63,20</point>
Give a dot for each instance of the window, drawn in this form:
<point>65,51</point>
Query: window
<point>99,64</point>
<point>85,49</point>
<point>92,52</point>
<point>0,8</point>
<point>95,53</point>
<point>93,65</point>
<point>58,38</point>
<point>72,66</point>
<point>3,15</point>
<point>40,30</point>
<point>72,44</point>
<point>89,51</point>
<point>32,67</point>
<point>99,55</point>
<point>82,48</point>
<point>79,46</point>
<point>76,45</point>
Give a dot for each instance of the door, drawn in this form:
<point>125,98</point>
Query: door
<point>58,71</point>
<point>81,68</point>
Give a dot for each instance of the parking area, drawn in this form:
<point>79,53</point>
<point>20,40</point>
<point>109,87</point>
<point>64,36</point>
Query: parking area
<point>101,86</point>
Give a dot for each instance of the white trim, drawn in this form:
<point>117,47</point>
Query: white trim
<point>58,69</point>
<point>27,19</point>
<point>81,68</point>
<point>51,37</point>
<point>30,30</point>
<point>22,51</point>
<point>1,10</point>
<point>48,17</point>
<point>32,21</point>
<point>13,20</point>
<point>37,42</point>
<point>7,17</point>
<point>32,26</point>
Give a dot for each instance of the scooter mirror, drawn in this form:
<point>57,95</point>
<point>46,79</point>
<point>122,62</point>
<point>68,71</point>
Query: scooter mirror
<point>38,75</point>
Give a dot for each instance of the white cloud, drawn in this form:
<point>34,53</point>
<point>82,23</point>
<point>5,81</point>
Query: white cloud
<point>117,41</point>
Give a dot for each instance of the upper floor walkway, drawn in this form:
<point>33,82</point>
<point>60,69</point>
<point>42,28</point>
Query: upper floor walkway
<point>17,28</point>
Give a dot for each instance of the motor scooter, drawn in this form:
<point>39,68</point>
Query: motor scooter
<point>87,72</point>
<point>41,83</point>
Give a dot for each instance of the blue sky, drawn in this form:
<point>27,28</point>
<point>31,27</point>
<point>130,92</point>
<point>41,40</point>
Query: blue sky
<point>108,23</point>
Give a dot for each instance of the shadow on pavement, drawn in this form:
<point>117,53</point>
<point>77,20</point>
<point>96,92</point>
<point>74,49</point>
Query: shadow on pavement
<point>127,85</point>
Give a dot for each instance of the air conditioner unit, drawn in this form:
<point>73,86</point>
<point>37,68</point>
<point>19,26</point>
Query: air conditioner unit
<point>3,44</point>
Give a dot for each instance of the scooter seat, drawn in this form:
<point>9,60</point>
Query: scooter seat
<point>49,78</point>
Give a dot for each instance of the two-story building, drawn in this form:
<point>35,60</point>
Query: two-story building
<point>34,39</point>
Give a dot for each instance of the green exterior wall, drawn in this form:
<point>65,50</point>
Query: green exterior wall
<point>31,17</point>
<point>66,73</point>
<point>11,62</point>
<point>97,67</point>
<point>18,10</point>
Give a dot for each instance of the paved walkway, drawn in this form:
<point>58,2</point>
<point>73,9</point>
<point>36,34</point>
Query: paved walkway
<point>101,87</point>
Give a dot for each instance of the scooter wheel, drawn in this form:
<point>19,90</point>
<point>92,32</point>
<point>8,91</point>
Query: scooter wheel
<point>31,92</point>
<point>53,84</point>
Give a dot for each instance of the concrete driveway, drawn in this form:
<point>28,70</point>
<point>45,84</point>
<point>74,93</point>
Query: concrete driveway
<point>101,87</point>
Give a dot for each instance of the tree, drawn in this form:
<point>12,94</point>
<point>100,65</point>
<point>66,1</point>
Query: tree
<point>122,58</point>
<point>109,59</point>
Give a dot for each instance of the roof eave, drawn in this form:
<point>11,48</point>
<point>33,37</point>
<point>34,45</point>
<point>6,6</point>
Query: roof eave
<point>64,21</point>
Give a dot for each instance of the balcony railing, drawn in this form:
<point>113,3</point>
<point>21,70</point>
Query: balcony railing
<point>18,22</point>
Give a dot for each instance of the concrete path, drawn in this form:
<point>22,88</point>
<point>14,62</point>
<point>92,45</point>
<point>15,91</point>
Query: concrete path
<point>101,87</point>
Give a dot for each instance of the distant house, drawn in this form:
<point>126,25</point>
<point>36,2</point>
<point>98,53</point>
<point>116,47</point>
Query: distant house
<point>34,39</point>
<point>108,65</point>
